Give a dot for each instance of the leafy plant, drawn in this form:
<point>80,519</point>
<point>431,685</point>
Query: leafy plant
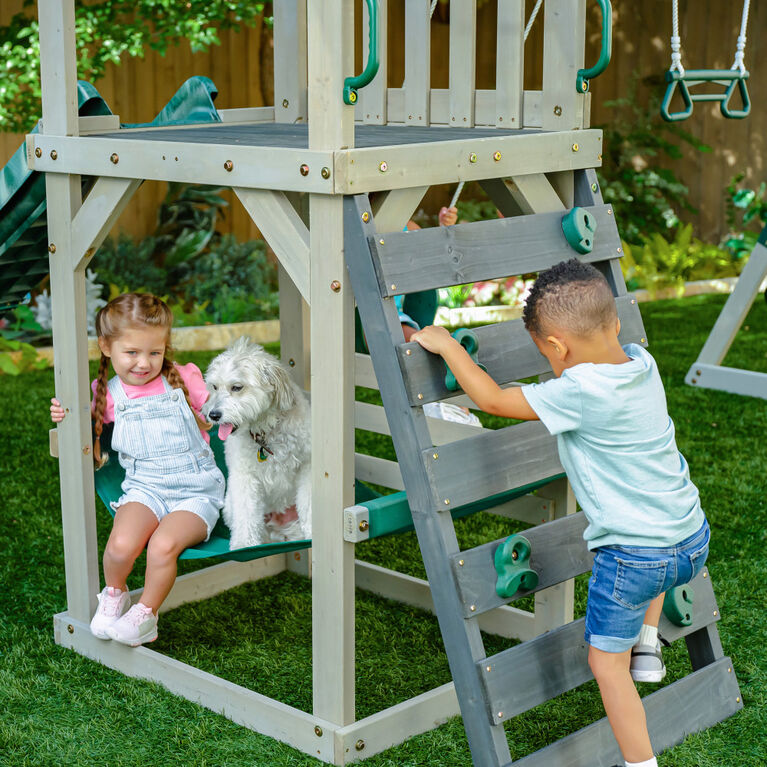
<point>659,263</point>
<point>647,197</point>
<point>18,357</point>
<point>105,31</point>
<point>744,206</point>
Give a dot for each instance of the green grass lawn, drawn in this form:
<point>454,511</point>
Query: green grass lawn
<point>57,708</point>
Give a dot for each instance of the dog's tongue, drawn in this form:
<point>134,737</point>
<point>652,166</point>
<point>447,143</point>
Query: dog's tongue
<point>224,430</point>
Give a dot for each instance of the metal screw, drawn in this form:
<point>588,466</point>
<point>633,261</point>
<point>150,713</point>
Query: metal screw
<point>599,157</point>
<point>594,187</point>
<point>229,165</point>
<point>393,286</point>
<point>51,248</point>
<point>285,103</point>
<point>297,556</point>
<point>642,340</point>
<point>558,110</point>
<point>694,380</point>
<point>500,714</point>
<point>609,211</point>
<point>420,396</point>
<point>620,250</point>
<point>381,241</point>
<point>737,700</point>
<point>335,286</point>
<point>435,456</point>
<point>54,154</point>
<point>38,152</point>
<point>364,525</point>
<point>575,147</point>
<point>461,563</point>
<point>488,668</point>
<point>729,670</point>
<point>473,608</point>
<point>473,157</point>
<point>383,166</point>
<point>633,300</point>
<point>304,170</point>
<point>366,217</point>
<point>496,156</point>
<point>408,352</point>
<point>359,745</point>
<point>716,612</point>
<point>697,372</point>
<point>325,173</point>
<point>292,362</point>
<point>318,731</point>
<point>70,628</point>
<point>514,555</point>
<point>705,575</point>
<point>447,501</point>
<point>114,158</point>
<point>86,450</point>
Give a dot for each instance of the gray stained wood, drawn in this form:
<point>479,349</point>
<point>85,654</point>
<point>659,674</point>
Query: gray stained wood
<point>691,704</point>
<point>533,672</point>
<point>407,262</point>
<point>505,349</point>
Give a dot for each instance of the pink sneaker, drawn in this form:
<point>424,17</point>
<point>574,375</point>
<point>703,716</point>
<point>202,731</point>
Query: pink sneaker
<point>112,604</point>
<point>137,626</point>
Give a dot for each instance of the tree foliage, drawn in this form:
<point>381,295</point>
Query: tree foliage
<point>105,31</point>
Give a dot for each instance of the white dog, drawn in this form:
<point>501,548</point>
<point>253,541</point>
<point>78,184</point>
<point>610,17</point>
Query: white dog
<point>264,418</point>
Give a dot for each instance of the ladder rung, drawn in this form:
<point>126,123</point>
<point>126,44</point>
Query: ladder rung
<point>533,672</point>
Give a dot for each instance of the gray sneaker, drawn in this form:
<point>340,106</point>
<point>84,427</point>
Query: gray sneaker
<point>647,663</point>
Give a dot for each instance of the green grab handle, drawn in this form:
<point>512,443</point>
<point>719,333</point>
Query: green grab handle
<point>579,227</point>
<point>468,339</point>
<point>677,605</point>
<point>511,561</point>
<point>733,77</point>
<point>352,84</point>
<point>584,75</point>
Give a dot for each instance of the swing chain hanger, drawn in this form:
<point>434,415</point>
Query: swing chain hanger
<point>681,79</point>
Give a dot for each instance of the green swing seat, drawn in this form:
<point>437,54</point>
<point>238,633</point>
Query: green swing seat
<point>388,514</point>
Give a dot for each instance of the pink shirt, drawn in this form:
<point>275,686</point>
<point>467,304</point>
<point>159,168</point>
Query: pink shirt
<point>190,375</point>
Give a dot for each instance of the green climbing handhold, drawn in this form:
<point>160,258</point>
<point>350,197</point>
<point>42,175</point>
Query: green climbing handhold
<point>677,605</point>
<point>579,227</point>
<point>468,339</point>
<point>511,559</point>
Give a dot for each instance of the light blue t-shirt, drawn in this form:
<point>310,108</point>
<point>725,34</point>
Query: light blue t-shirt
<point>616,443</point>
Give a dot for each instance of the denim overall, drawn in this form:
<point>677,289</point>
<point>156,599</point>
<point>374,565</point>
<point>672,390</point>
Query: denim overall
<point>168,465</point>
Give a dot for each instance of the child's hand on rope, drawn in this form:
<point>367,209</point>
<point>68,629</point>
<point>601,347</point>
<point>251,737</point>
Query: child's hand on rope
<point>448,216</point>
<point>57,411</point>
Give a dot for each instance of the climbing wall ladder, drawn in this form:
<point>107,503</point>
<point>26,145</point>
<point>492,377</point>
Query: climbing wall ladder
<point>493,690</point>
<point>707,371</point>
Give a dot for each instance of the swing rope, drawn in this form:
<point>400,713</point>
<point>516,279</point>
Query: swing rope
<point>528,27</point>
<point>741,50</point>
<point>676,43</point>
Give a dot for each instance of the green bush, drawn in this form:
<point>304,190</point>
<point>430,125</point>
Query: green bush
<point>659,263</point>
<point>744,207</point>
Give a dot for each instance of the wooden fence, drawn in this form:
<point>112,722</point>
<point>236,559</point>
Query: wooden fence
<point>242,70</point>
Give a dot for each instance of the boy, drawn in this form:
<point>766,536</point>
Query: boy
<point>607,408</point>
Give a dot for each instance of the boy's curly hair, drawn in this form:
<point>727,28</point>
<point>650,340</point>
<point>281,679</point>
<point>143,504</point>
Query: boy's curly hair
<point>572,296</point>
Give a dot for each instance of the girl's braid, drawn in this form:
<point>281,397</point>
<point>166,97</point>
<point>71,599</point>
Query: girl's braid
<point>174,379</point>
<point>99,406</point>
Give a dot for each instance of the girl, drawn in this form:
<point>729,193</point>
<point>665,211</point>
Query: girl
<point>173,490</point>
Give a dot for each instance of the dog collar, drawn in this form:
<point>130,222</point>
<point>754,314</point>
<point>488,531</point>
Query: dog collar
<point>260,440</point>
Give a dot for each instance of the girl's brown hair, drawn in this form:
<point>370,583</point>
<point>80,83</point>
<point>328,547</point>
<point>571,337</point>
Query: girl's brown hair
<point>132,311</point>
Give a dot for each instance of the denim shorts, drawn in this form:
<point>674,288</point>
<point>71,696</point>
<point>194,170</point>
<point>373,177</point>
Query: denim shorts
<point>625,579</point>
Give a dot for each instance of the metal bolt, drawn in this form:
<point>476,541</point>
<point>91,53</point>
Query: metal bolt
<point>488,668</point>
<point>558,110</point>
<point>359,745</point>
<point>697,372</point>
<point>514,555</point>
<point>408,352</point>
<point>335,286</point>
<point>694,380</point>
<point>70,628</point>
<point>447,501</point>
<point>633,300</point>
<point>594,187</point>
<point>304,170</point>
<point>496,156</point>
<point>51,248</point>
<point>620,250</point>
<point>89,253</point>
<point>473,157</point>
<point>292,362</point>
<point>461,563</point>
<point>435,456</point>
<point>705,575</point>
<point>364,525</point>
<point>325,173</point>
<point>500,714</point>
<point>716,612</point>
<point>383,166</point>
<point>114,158</point>
<point>642,340</point>
<point>737,700</point>
<point>297,556</point>
<point>38,152</point>
<point>599,157</point>
<point>420,396</point>
<point>365,217</point>
<point>575,147</point>
<point>729,670</point>
<point>54,154</point>
<point>229,166</point>
<point>609,211</point>
<point>318,731</point>
<point>285,103</point>
<point>393,286</point>
<point>86,450</point>
<point>473,608</point>
<point>381,241</point>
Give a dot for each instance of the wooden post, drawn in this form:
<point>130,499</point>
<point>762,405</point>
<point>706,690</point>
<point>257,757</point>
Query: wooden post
<point>331,126</point>
<point>59,84</point>
<point>290,61</point>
